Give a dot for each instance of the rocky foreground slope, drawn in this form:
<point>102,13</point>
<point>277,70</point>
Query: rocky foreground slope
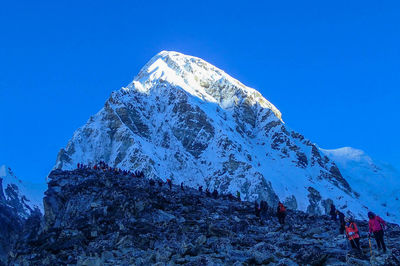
<point>102,218</point>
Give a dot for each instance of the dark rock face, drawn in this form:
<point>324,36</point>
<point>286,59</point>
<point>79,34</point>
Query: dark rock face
<point>131,118</point>
<point>14,227</point>
<point>14,212</point>
<point>10,226</point>
<point>101,218</point>
<point>192,127</point>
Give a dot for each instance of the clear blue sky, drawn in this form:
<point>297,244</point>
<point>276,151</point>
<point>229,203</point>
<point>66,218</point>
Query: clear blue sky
<point>333,69</point>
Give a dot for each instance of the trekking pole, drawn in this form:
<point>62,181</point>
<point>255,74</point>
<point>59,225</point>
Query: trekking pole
<point>372,258</point>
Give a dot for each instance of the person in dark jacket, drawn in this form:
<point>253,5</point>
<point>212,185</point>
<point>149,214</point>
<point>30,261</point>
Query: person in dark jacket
<point>231,197</point>
<point>201,189</point>
<point>208,194</point>
<point>333,212</point>
<point>264,209</point>
<point>376,226</point>
<point>342,223</point>
<point>257,209</point>
<point>238,195</point>
<point>215,194</point>
<point>169,182</point>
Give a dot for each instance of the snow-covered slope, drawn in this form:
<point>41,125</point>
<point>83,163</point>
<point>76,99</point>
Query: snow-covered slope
<point>184,119</point>
<point>22,196</point>
<point>377,182</point>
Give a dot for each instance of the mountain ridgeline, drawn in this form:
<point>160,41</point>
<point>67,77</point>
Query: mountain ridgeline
<point>184,119</point>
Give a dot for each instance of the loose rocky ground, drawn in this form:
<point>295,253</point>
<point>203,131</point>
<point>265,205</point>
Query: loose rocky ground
<point>97,218</point>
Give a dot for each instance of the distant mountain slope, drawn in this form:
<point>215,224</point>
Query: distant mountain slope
<point>23,196</point>
<point>378,183</point>
<point>19,201</point>
<point>184,119</point>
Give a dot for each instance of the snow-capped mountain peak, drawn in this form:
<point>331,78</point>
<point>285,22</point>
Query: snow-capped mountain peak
<point>200,79</point>
<point>184,119</point>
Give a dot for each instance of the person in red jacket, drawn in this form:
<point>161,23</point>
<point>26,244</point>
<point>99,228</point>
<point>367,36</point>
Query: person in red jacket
<point>376,225</point>
<point>352,233</point>
<point>169,182</point>
<point>281,213</point>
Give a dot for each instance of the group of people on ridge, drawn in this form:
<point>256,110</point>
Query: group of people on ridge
<point>261,211</point>
<point>102,166</point>
<point>347,224</point>
<point>349,227</point>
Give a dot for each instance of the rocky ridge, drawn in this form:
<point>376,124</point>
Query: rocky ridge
<point>102,218</point>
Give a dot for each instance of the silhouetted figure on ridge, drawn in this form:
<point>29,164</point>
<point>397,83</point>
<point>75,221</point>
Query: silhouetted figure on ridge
<point>169,182</point>
<point>215,194</point>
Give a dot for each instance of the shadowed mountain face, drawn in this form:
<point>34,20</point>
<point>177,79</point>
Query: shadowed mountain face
<point>184,119</point>
<point>102,218</point>
<point>15,209</point>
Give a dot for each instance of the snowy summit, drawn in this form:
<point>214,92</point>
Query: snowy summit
<point>198,78</point>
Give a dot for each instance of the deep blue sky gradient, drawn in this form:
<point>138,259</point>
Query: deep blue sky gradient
<point>333,69</point>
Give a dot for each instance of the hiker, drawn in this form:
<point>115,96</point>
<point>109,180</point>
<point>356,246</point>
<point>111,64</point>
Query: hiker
<point>352,233</point>
<point>182,186</point>
<point>263,209</point>
<point>78,165</point>
<point>230,197</point>
<point>342,223</point>
<point>281,213</point>
<point>376,226</point>
<point>215,194</point>
<point>169,182</point>
<point>257,209</point>
<point>201,189</point>
<point>152,182</point>
<point>160,183</point>
<point>238,195</point>
<point>333,212</point>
